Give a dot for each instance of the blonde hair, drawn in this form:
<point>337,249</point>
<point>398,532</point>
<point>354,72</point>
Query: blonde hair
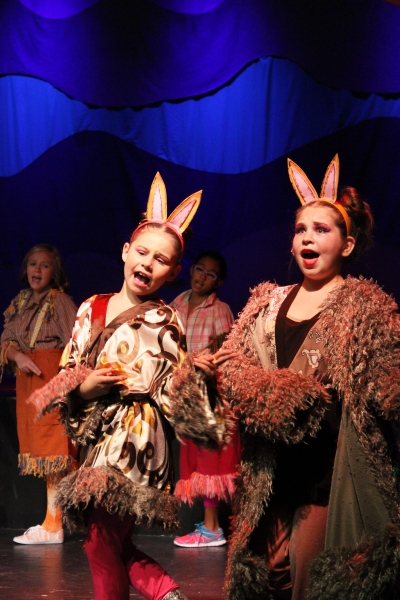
<point>162,228</point>
<point>60,279</point>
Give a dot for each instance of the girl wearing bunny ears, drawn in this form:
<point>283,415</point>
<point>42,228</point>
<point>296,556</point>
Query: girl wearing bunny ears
<point>316,386</point>
<point>125,386</point>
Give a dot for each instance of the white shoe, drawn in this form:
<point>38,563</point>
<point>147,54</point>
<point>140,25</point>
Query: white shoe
<point>39,535</point>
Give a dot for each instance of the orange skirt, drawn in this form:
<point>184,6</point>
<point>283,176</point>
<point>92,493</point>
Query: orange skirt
<point>43,445</point>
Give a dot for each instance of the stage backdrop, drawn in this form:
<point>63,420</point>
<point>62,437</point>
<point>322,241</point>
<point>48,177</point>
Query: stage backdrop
<point>96,96</point>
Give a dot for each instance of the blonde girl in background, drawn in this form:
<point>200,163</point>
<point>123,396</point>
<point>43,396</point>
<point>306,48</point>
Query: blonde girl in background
<point>37,327</point>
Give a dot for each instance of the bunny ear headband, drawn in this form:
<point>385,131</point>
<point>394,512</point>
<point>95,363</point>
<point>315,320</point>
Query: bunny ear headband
<point>307,193</point>
<point>156,212</point>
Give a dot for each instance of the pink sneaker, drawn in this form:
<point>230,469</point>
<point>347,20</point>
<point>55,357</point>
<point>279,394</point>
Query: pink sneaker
<point>201,537</point>
<point>39,535</point>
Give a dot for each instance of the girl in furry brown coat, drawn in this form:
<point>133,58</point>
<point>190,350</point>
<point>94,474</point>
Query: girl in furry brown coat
<point>316,387</point>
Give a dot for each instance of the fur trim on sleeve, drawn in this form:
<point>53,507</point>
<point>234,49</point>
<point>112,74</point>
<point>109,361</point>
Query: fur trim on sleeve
<point>58,388</point>
<point>249,574</point>
<point>191,412</point>
<point>280,404</point>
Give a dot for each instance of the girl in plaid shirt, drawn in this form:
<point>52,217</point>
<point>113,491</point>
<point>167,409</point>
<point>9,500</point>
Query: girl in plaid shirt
<point>203,473</point>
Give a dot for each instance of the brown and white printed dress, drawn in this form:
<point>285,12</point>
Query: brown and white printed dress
<point>125,436</point>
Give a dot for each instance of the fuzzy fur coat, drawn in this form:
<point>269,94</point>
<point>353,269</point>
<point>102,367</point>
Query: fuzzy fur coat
<point>360,332</point>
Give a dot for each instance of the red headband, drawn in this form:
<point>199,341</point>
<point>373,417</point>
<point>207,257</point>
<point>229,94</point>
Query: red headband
<point>172,227</point>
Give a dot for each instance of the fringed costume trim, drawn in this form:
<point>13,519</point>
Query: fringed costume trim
<point>58,388</point>
<point>43,466</point>
<point>19,300</point>
<point>206,486</point>
<point>4,350</point>
<point>107,487</point>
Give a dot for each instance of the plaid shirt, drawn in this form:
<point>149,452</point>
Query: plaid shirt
<point>207,325</point>
<point>56,328</point>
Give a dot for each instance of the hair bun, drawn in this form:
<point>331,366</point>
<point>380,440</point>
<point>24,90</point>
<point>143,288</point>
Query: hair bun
<point>362,221</point>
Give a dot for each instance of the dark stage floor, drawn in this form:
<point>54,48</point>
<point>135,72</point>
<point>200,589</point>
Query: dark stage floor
<point>61,571</point>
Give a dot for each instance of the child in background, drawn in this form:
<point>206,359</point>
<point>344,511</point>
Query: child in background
<point>126,382</point>
<point>203,473</point>
<point>37,326</point>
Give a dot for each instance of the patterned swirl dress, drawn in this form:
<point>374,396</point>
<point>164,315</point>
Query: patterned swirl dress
<point>124,437</point>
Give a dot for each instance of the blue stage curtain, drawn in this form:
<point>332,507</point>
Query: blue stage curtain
<point>97,96</point>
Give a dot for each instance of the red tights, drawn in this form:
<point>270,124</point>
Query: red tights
<point>115,563</point>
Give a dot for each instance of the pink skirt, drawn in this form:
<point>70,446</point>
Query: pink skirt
<point>206,473</point>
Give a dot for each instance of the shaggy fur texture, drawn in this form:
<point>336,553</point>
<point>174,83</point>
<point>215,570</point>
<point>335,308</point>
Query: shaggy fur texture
<point>58,388</point>
<point>247,574</point>
<point>105,486</point>
<point>361,335</point>
<point>280,405</point>
<point>90,431</point>
<point>368,572</point>
<point>189,405</point>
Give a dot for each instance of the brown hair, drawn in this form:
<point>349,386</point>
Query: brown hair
<point>60,278</point>
<point>360,215</point>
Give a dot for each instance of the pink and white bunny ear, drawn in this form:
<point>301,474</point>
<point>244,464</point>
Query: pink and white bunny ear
<point>301,184</point>
<point>330,183</point>
<point>306,192</point>
<point>184,213</point>
<point>157,209</point>
<point>157,202</point>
